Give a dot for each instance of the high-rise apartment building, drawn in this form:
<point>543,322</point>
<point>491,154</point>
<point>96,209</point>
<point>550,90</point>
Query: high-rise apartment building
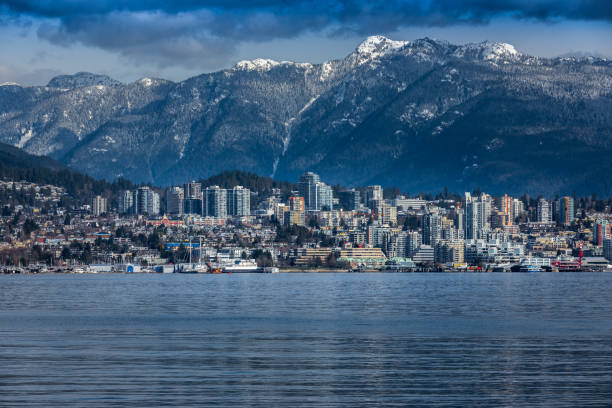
<point>174,200</point>
<point>388,214</point>
<point>607,248</point>
<point>127,202</point>
<point>350,200</point>
<point>324,196</point>
<point>601,231</point>
<point>518,208</point>
<point>504,206</point>
<point>239,201</point>
<point>98,205</point>
<point>193,190</point>
<point>317,195</point>
<point>147,201</point>
<point>432,228</point>
<point>477,215</point>
<point>566,210</point>
<point>544,211</point>
<point>374,196</point>
<point>297,211</point>
<point>308,189</point>
<point>215,202</point>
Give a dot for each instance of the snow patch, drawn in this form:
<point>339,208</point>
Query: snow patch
<point>263,64</point>
<point>146,82</point>
<point>25,138</point>
<point>258,64</point>
<point>326,71</point>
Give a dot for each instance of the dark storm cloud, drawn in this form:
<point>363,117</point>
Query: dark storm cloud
<point>196,33</point>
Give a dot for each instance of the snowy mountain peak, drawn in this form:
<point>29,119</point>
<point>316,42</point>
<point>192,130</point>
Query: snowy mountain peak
<point>493,51</point>
<point>258,64</point>
<point>488,51</point>
<point>377,46</point>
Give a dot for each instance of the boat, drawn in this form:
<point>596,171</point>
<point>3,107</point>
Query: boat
<point>530,268</point>
<point>238,266</point>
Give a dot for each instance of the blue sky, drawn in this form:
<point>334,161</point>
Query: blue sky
<point>129,39</point>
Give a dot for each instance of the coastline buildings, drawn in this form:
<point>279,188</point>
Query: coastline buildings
<point>478,232</point>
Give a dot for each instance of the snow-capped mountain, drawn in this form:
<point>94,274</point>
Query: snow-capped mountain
<point>420,114</point>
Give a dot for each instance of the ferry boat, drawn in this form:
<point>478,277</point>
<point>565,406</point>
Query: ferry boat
<point>238,266</point>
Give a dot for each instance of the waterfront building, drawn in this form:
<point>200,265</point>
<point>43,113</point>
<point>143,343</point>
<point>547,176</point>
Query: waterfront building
<point>306,256</point>
<point>424,254</point>
<point>449,252</point>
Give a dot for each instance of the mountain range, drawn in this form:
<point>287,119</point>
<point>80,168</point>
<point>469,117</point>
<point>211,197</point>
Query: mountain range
<point>420,115</point>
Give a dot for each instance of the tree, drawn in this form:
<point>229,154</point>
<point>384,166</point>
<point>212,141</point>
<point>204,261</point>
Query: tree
<point>67,219</point>
<point>263,259</point>
<point>86,256</point>
<point>66,253</point>
<point>332,260</point>
<point>29,226</point>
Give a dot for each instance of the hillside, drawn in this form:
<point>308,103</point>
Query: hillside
<point>17,165</point>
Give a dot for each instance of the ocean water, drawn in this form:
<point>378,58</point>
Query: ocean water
<point>295,340</point>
